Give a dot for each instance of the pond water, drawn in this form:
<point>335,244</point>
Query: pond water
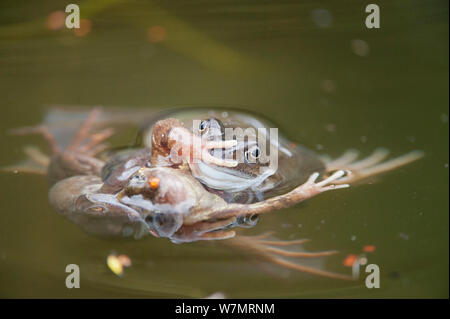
<point>312,67</point>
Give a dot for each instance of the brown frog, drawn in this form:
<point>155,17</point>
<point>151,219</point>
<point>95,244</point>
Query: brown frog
<point>139,191</point>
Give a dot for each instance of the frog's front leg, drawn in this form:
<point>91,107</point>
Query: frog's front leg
<point>172,144</point>
<point>305,191</point>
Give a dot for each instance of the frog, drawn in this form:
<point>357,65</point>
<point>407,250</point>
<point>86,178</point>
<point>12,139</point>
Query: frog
<point>143,191</point>
<point>242,172</point>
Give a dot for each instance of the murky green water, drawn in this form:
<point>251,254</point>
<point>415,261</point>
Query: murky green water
<point>326,80</point>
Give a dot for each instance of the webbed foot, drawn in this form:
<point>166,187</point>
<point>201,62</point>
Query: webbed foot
<point>267,248</point>
<point>369,166</point>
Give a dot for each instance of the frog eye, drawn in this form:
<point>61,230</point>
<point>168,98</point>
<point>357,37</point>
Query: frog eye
<point>164,140</point>
<point>202,126</point>
<point>247,221</point>
<point>138,179</point>
<point>253,153</point>
<point>97,209</point>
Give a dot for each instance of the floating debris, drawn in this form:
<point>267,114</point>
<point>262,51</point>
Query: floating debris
<point>124,260</point>
<point>84,29</point>
<point>369,248</point>
<point>55,20</point>
<point>117,263</point>
<point>394,274</point>
<point>114,265</point>
<point>349,260</point>
<point>156,34</point>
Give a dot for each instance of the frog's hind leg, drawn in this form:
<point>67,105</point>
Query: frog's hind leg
<point>345,159</point>
<point>42,130</point>
<point>36,163</point>
<point>369,166</point>
<point>87,142</point>
<point>269,249</point>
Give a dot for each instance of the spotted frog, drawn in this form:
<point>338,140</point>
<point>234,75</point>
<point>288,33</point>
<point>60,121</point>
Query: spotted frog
<point>157,188</point>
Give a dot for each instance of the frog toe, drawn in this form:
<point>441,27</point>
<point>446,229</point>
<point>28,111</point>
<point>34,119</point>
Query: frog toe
<point>372,165</point>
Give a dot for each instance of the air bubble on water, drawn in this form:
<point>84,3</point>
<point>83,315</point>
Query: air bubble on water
<point>330,127</point>
<point>444,118</point>
<point>328,86</point>
<point>322,18</point>
<point>360,47</point>
<point>216,295</point>
<point>363,261</point>
<point>353,238</point>
<point>363,139</point>
<point>403,236</point>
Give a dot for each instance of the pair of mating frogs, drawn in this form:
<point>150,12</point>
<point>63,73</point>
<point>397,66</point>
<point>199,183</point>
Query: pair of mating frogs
<point>188,181</point>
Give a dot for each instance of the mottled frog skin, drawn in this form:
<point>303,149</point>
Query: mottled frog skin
<point>154,188</point>
<point>251,179</point>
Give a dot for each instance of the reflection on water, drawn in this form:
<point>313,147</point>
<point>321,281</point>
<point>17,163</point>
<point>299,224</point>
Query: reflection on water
<point>313,68</point>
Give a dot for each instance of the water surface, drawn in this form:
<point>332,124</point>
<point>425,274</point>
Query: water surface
<point>310,66</point>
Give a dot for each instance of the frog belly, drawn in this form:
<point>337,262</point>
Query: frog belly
<point>220,180</point>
